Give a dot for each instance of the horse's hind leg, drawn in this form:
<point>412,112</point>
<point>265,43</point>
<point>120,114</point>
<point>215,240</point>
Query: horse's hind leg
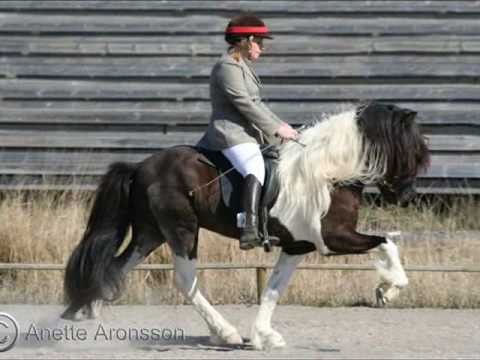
<point>221,331</point>
<point>179,225</point>
<point>143,241</point>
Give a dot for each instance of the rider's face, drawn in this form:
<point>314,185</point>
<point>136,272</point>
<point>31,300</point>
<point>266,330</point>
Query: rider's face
<point>255,48</point>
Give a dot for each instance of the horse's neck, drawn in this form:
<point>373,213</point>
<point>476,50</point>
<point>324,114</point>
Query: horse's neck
<point>334,153</point>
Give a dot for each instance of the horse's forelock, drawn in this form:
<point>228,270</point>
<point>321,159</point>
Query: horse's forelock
<point>394,131</point>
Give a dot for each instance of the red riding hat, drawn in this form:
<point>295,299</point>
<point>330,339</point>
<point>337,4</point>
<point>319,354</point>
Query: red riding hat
<point>247,24</point>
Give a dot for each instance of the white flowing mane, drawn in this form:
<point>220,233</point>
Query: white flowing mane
<point>335,152</point>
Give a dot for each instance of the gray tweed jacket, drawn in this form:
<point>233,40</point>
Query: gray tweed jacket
<point>238,113</point>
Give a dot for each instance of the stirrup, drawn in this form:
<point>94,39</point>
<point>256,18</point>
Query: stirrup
<point>267,240</point>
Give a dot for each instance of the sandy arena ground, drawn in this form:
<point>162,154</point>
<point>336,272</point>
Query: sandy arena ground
<point>178,332</point>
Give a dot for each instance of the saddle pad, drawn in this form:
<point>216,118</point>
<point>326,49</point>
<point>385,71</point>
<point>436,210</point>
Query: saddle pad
<point>232,182</point>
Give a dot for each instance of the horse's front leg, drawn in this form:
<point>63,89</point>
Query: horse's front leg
<point>263,336</point>
<point>391,272</point>
<point>389,267</point>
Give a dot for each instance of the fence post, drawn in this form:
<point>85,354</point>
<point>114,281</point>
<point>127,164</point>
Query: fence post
<point>261,281</point>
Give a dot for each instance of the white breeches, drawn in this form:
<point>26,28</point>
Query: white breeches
<point>247,159</point>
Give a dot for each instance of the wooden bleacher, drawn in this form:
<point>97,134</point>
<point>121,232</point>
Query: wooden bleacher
<point>86,83</point>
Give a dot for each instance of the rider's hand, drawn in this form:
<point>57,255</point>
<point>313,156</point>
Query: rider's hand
<point>286,132</point>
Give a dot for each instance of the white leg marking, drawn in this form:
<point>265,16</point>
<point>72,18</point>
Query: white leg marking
<point>391,272</point>
<point>263,336</point>
<point>389,266</point>
<point>221,331</point>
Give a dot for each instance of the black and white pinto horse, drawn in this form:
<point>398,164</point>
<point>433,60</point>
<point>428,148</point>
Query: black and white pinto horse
<point>316,209</point>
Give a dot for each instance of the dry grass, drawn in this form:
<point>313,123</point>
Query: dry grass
<point>43,228</point>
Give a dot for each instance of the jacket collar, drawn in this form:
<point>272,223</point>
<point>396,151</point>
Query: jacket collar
<point>246,64</point>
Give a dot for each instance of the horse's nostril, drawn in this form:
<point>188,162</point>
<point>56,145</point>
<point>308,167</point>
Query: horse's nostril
<point>408,197</point>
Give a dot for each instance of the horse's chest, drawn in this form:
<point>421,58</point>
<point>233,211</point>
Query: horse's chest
<point>301,227</point>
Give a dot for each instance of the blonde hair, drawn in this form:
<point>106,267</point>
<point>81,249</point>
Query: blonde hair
<point>237,49</point>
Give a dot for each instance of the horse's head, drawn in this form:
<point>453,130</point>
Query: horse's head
<point>393,132</point>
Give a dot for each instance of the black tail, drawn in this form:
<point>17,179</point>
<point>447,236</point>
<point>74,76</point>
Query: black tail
<point>92,271</point>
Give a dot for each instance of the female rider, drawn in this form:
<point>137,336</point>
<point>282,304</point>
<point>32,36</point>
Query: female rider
<point>240,122</point>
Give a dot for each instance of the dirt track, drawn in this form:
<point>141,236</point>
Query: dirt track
<point>309,332</point>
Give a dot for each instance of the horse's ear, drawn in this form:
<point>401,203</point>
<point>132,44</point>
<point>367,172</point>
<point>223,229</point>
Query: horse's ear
<point>408,116</point>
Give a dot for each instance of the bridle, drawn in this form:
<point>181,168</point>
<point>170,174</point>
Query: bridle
<point>397,185</point>
<point>387,185</point>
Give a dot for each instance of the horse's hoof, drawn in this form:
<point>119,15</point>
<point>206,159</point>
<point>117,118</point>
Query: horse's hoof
<point>233,338</point>
<point>71,316</point>
<point>92,310</point>
<point>67,315</point>
<point>71,313</point>
<point>379,294</point>
<point>391,293</point>
<point>267,340</point>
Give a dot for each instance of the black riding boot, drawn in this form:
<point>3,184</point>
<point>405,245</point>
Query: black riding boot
<point>252,191</point>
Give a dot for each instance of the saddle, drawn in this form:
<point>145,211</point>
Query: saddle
<point>231,185</point>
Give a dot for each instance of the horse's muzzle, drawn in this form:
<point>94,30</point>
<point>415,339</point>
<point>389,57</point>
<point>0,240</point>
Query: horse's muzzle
<point>407,196</point>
